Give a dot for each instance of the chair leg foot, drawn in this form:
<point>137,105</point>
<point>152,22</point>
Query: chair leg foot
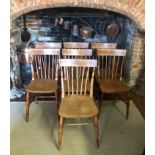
<point>27,107</point>
<point>96,130</point>
<point>27,117</point>
<point>60,132</point>
<point>59,146</point>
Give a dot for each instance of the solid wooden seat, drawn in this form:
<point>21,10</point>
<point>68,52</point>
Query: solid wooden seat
<point>42,86</point>
<point>110,67</point>
<point>75,45</point>
<point>44,67</point>
<point>113,86</point>
<point>78,106</point>
<point>76,100</point>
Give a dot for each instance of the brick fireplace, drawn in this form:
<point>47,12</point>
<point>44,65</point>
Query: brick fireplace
<point>128,14</point>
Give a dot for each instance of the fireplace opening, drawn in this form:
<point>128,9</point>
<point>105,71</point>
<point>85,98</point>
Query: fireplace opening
<point>60,25</point>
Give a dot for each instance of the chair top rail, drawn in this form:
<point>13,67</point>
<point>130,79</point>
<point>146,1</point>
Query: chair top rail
<point>77,63</point>
<point>103,45</point>
<point>33,51</point>
<point>75,45</point>
<point>77,52</point>
<point>48,45</point>
<point>111,52</point>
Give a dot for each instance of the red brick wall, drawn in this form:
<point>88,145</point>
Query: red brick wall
<point>134,9</point>
<point>137,59</point>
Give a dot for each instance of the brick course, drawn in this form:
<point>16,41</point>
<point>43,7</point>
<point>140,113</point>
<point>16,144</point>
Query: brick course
<point>134,9</point>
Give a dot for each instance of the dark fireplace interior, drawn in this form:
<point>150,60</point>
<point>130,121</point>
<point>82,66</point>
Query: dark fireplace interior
<point>56,25</point>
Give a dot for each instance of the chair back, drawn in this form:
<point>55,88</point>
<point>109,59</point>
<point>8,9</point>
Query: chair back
<point>103,45</point>
<point>41,45</point>
<point>77,73</point>
<point>110,63</point>
<point>44,63</point>
<point>75,45</point>
<point>76,53</point>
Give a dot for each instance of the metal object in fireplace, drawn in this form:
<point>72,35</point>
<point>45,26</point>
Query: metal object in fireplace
<point>85,32</point>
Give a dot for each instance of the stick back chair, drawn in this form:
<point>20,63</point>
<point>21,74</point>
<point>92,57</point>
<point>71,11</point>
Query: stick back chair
<point>110,66</point>
<point>44,67</point>
<point>75,45</point>
<point>75,103</point>
<point>96,46</point>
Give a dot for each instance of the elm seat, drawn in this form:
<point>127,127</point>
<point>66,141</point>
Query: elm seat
<point>42,86</point>
<point>70,104</point>
<point>113,86</point>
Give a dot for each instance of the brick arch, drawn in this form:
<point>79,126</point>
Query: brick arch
<point>134,9</point>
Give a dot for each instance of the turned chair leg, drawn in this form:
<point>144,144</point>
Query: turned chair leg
<point>100,104</point>
<point>27,106</point>
<point>60,132</point>
<point>127,107</point>
<point>57,102</point>
<point>95,122</point>
<point>127,102</point>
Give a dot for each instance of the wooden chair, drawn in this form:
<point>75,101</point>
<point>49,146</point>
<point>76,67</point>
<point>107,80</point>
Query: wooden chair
<point>44,67</point>
<point>75,104</point>
<point>110,66</point>
<point>42,45</point>
<point>75,45</point>
<point>103,45</point>
<point>96,46</point>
